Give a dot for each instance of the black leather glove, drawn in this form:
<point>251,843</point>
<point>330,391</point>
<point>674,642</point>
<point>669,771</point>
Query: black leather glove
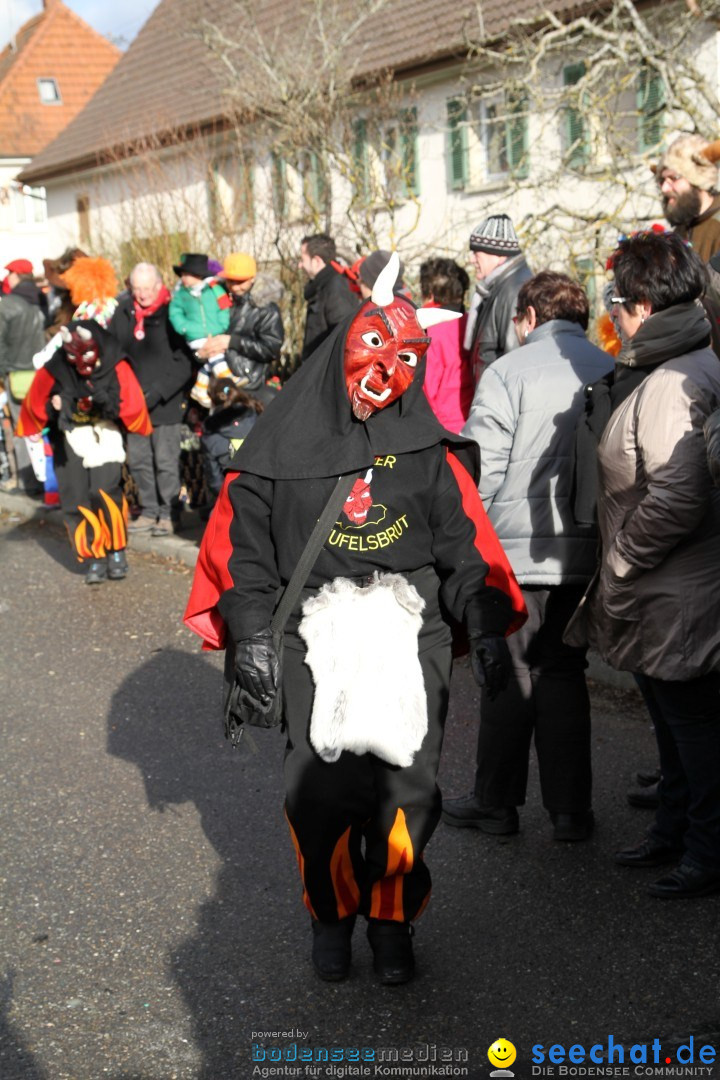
<point>491,662</point>
<point>257,667</point>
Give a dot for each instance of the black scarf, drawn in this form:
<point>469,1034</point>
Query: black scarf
<point>310,431</point>
<point>666,334</point>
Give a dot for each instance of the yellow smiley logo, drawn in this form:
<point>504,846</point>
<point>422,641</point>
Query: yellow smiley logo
<point>502,1053</point>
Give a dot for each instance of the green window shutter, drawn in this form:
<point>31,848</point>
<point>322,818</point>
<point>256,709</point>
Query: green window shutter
<point>576,134</point>
<point>361,178</point>
<point>458,170</point>
<point>279,183</point>
<point>517,138</point>
<point>409,136</point>
<point>650,93</point>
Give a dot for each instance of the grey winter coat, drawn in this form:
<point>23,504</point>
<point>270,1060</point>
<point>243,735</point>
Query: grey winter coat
<point>493,333</point>
<point>22,328</point>
<point>654,607</point>
<point>523,417</point>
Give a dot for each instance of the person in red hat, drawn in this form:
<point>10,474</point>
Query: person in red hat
<point>22,325</point>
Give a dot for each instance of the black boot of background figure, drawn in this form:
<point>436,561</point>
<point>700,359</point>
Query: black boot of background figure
<point>332,948</point>
<point>117,565</point>
<point>97,572</point>
<point>391,943</point>
<point>647,797</point>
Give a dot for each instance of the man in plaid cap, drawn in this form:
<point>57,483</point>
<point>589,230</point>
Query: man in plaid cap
<point>500,271</point>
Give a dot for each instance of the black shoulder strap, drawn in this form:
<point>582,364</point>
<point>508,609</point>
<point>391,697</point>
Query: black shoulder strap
<point>312,550</point>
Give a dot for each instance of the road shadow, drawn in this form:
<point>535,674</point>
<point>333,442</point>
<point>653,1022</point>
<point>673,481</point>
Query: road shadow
<point>239,945</point>
<point>16,1061</point>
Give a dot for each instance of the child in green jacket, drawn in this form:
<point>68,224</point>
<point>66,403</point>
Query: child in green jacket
<point>199,309</point>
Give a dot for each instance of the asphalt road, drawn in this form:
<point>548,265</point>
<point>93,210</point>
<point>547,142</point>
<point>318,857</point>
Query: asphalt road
<point>151,924</point>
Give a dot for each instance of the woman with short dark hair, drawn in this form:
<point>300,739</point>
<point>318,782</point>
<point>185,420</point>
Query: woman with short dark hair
<point>449,379</point>
<point>653,609</point>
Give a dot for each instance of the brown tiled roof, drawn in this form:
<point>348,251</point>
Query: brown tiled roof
<point>167,80</point>
<point>55,44</point>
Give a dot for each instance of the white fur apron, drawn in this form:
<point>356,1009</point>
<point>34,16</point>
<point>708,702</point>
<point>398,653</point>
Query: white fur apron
<point>97,444</point>
<point>362,650</point>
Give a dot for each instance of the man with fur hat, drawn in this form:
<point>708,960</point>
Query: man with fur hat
<point>500,271</point>
<point>403,541</point>
<point>687,176</point>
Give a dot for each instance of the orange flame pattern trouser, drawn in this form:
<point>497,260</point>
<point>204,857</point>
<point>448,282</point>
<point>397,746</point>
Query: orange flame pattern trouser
<point>94,507</point>
<point>359,825</point>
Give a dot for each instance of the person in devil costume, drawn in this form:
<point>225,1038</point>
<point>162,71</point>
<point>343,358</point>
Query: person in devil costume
<point>89,394</point>
<point>366,663</point>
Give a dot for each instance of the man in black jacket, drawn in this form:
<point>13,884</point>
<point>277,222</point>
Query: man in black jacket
<point>165,371</point>
<point>22,325</point>
<point>255,334</point>
<point>329,299</point>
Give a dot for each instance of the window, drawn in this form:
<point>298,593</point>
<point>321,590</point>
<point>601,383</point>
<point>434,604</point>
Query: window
<point>29,205</point>
<point>314,185</point>
<point>650,91</point>
<point>49,92</point>
<point>278,172</point>
<point>576,134</point>
<point>457,150</point>
<point>504,133</point>
<point>230,194</point>
<point>385,159</point>
<point>82,205</point>
<point>360,178</point>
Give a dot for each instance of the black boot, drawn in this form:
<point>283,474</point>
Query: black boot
<point>391,943</point>
<point>97,572</point>
<point>332,948</point>
<point>117,565</point>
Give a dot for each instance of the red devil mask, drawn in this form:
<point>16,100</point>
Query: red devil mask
<point>385,344</point>
<point>81,350</point>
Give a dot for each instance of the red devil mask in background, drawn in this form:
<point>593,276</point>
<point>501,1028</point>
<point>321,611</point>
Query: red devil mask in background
<point>81,350</point>
<point>385,344</point>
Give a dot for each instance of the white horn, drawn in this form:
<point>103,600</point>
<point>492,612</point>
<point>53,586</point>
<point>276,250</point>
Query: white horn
<point>65,334</point>
<point>431,316</point>
<point>382,294</point>
<point>84,333</point>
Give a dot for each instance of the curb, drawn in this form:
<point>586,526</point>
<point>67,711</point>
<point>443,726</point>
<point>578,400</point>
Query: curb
<point>180,548</point>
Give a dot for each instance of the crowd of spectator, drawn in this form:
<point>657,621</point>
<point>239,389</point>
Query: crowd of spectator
<point>583,449</point>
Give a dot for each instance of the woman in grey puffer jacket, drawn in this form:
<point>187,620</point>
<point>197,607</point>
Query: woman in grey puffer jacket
<point>653,609</point>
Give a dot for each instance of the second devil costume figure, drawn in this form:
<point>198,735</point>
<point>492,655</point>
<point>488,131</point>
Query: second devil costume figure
<point>410,548</point>
<point>89,394</point>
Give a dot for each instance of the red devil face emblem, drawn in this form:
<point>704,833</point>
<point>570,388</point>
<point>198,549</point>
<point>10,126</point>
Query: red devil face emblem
<point>81,350</point>
<point>359,501</point>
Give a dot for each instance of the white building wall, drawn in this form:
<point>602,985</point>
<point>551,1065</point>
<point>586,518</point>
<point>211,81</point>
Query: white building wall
<point>169,192</point>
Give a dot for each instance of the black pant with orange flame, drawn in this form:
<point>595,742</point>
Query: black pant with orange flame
<point>93,504</point>
<point>359,825</point>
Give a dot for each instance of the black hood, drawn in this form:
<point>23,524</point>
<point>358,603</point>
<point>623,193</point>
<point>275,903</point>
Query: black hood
<point>309,431</point>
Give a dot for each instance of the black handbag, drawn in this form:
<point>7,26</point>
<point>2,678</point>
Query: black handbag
<point>240,707</point>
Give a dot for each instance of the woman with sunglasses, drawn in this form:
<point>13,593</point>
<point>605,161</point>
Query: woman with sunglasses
<point>653,609</point>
